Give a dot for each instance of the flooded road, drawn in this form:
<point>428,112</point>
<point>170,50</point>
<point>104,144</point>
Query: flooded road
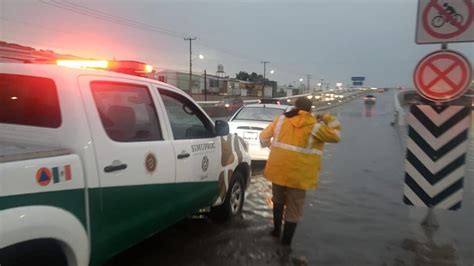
<point>355,217</point>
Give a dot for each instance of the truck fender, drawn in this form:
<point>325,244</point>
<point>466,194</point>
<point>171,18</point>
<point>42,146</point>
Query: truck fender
<point>27,223</point>
<point>234,157</point>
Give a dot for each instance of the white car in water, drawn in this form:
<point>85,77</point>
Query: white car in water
<point>250,120</point>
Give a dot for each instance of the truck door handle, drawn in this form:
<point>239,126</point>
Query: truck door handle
<point>113,168</point>
<point>183,155</point>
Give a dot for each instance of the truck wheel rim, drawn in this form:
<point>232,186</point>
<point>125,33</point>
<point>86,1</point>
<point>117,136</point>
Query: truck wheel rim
<point>236,198</point>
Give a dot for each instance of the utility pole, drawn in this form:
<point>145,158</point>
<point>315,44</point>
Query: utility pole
<point>190,61</point>
<point>264,75</point>
<point>321,82</point>
<point>308,77</point>
<point>205,85</point>
<point>264,68</point>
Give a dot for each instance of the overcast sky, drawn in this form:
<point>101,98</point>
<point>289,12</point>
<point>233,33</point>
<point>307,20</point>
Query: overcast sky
<point>331,39</point>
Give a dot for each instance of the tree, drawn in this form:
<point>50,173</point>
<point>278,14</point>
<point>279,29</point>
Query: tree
<point>242,75</point>
<point>253,77</point>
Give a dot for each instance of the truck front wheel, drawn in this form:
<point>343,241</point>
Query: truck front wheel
<point>234,199</point>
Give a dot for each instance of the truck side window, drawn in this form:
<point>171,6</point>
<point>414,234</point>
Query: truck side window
<point>127,111</point>
<point>187,121</point>
<point>29,101</point>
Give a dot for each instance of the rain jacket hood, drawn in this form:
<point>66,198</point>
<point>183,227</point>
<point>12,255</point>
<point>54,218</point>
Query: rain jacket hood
<point>302,119</point>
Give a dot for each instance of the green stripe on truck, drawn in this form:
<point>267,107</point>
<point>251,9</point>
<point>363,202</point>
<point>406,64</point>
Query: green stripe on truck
<point>128,215</point>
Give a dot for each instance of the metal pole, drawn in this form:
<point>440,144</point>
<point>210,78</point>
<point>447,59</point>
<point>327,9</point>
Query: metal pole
<point>190,61</point>
<point>264,72</point>
<point>444,46</point>
<point>430,220</point>
<point>321,82</point>
<point>205,85</point>
<point>308,76</point>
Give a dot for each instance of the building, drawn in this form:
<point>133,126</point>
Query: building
<point>180,79</point>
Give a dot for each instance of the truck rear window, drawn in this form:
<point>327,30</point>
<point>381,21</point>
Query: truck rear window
<point>28,100</point>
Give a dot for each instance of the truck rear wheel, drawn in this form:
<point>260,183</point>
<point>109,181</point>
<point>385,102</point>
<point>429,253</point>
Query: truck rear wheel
<point>234,199</point>
<point>41,252</point>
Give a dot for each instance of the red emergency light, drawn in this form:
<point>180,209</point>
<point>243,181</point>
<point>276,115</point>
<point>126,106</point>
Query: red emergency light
<point>128,67</point>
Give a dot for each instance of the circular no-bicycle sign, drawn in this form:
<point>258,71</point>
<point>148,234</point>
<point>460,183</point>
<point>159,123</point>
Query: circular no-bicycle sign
<point>445,21</point>
<point>442,76</point>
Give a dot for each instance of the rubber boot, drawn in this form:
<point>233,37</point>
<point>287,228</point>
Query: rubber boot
<point>288,233</point>
<point>277,217</point>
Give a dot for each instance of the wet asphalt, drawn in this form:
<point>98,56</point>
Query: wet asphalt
<point>355,217</point>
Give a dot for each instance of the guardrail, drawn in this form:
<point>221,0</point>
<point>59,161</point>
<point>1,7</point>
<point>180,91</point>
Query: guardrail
<point>401,101</point>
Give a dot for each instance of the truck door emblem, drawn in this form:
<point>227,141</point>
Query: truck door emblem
<point>43,176</point>
<point>150,163</point>
<point>204,163</point>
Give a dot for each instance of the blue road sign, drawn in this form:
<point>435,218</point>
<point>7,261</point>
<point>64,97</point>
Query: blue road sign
<point>358,78</point>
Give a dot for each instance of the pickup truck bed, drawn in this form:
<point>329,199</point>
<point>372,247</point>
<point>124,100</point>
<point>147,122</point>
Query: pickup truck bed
<point>18,151</point>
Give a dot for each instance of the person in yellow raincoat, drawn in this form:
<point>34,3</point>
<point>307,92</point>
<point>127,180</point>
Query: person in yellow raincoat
<point>296,140</point>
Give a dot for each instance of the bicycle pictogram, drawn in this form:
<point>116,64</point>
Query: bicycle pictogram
<point>449,15</point>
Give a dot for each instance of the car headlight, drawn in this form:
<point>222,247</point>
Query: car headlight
<point>227,105</point>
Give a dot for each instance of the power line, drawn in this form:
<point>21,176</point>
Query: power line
<point>83,10</point>
<point>76,8</point>
<point>86,11</point>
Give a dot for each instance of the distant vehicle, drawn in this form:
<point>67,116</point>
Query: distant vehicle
<point>270,100</point>
<point>231,104</point>
<point>250,120</point>
<point>380,90</point>
<point>370,99</point>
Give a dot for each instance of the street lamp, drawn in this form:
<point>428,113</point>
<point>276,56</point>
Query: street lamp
<point>301,80</point>
<point>272,71</point>
<point>201,56</point>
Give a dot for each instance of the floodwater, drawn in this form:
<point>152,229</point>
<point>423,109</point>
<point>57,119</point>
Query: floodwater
<point>355,217</point>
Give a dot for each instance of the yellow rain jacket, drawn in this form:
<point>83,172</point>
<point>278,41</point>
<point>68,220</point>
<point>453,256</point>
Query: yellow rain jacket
<point>297,147</point>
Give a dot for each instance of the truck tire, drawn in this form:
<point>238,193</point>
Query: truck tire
<point>234,199</point>
<point>35,252</point>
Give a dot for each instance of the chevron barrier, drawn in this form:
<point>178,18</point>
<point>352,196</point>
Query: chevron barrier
<point>436,156</point>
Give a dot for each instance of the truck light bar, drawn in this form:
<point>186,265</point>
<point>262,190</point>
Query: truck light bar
<point>83,63</point>
<point>122,66</point>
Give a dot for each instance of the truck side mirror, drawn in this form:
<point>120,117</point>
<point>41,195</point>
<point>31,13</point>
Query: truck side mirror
<point>222,128</point>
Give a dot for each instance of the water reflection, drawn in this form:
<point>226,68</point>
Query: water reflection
<point>425,251</point>
<point>369,110</point>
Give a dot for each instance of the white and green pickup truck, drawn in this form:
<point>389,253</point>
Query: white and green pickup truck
<point>93,162</point>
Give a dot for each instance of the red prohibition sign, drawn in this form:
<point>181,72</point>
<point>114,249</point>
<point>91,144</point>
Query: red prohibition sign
<point>442,76</point>
<point>461,27</point>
